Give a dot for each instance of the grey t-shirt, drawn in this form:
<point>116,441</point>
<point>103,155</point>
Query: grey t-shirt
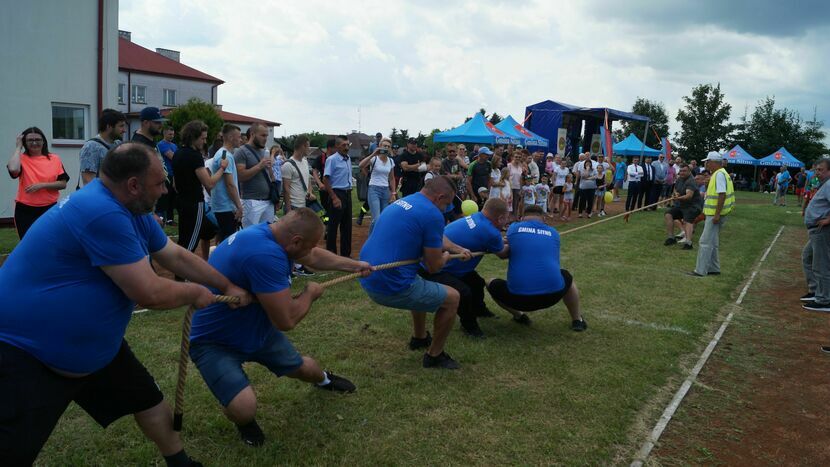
<point>680,186</point>
<point>257,187</point>
<point>819,206</point>
<point>93,152</point>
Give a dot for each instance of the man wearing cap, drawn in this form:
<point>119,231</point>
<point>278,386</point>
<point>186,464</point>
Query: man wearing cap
<point>151,122</point>
<point>411,164</point>
<point>374,145</point>
<point>479,175</point>
<point>719,201</point>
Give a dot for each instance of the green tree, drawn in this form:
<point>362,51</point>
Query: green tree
<point>704,122</point>
<point>495,118</point>
<point>655,111</point>
<point>197,109</point>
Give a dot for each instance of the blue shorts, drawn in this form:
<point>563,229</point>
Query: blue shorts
<point>221,365</point>
<point>422,295</point>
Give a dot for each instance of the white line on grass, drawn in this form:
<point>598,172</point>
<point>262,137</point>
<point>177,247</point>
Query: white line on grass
<point>140,311</point>
<point>642,324</point>
<point>664,420</point>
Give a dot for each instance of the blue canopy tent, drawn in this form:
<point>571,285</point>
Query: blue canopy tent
<point>738,155</point>
<point>476,130</point>
<point>547,117</point>
<point>513,128</point>
<point>781,157</point>
<point>632,146</point>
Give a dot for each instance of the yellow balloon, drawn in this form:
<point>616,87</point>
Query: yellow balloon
<point>608,197</point>
<point>469,207</point>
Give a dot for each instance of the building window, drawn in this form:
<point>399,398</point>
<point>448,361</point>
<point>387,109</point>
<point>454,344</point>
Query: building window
<point>139,94</point>
<point>122,90</point>
<point>69,122</point>
<point>169,98</point>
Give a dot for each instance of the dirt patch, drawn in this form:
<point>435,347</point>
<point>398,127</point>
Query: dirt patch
<point>762,398</point>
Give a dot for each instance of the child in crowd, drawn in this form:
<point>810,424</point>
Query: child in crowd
<point>568,196</point>
<point>506,193</point>
<point>528,194</point>
<point>600,193</point>
<point>542,192</point>
<point>434,169</point>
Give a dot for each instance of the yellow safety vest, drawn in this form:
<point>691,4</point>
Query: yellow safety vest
<point>710,205</point>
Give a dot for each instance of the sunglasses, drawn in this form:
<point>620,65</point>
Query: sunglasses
<point>34,141</point>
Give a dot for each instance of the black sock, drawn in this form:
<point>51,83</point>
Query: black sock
<point>179,459</point>
<point>251,433</point>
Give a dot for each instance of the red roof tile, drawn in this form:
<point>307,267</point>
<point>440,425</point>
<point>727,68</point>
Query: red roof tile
<point>228,117</point>
<point>134,57</point>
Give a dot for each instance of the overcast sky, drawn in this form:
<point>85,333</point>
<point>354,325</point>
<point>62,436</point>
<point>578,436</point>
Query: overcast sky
<point>427,64</point>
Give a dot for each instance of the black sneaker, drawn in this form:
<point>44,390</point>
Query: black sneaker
<point>688,246</point>
<point>825,349</point>
<point>816,306</point>
<point>443,360</point>
<point>359,219</point>
<point>522,319</point>
<point>670,241</point>
<point>416,343</point>
<point>473,330</point>
<point>808,297</point>
<point>485,313</point>
<point>338,384</point>
<point>301,271</point>
<point>694,274</point>
<point>713,273</point>
<point>251,434</point>
<point>579,325</point>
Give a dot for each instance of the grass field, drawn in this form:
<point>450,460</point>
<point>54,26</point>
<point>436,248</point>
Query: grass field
<point>538,395</point>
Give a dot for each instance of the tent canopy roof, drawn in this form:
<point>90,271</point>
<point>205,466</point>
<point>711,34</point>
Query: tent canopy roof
<point>476,130</point>
<point>593,112</point>
<point>781,157</point>
<point>632,146</point>
<point>738,155</point>
<point>513,128</point>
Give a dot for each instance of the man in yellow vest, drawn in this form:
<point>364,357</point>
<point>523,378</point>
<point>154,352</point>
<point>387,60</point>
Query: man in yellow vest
<point>719,202</point>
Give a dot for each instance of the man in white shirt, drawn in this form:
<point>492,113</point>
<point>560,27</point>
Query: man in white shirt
<point>296,176</point>
<point>533,167</point>
<point>577,168</point>
<point>634,175</point>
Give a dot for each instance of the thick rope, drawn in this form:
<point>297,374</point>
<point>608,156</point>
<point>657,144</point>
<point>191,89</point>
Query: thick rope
<point>624,214</point>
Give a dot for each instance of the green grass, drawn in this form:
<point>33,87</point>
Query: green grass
<point>538,395</point>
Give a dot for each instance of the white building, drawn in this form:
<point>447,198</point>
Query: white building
<point>60,68</point>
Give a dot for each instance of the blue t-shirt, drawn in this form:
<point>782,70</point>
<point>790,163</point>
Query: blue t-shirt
<point>220,200</point>
<point>619,174</point>
<point>163,146</point>
<point>57,303</point>
<point>252,259</point>
<point>475,233</point>
<point>529,272</point>
<point>339,170</point>
<point>784,179</point>
<point>401,232</point>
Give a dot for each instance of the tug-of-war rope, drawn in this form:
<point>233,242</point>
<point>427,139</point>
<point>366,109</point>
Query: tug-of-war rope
<point>184,356</point>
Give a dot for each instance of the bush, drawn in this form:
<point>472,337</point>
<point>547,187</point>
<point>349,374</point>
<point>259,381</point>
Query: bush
<point>197,109</point>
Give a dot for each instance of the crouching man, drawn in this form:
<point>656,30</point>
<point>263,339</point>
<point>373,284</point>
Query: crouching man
<point>259,259</point>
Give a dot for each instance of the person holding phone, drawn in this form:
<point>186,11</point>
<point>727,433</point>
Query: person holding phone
<point>41,176</point>
<point>379,168</point>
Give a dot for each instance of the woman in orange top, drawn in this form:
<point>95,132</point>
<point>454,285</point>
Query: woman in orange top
<point>41,176</point>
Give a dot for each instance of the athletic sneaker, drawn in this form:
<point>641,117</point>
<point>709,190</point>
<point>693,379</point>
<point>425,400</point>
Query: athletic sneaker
<point>442,360</point>
<point>522,319</point>
<point>808,297</point>
<point>680,236</point>
<point>338,384</point>
<point>688,246</point>
<point>816,306</point>
<point>589,216</point>
<point>416,343</point>
<point>825,349</point>
<point>579,325</point>
<point>251,434</point>
<point>301,271</point>
<point>473,330</point>
<point>669,242</point>
<point>602,213</point>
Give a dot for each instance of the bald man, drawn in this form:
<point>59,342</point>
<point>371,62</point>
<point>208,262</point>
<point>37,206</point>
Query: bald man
<point>260,258</point>
<point>413,228</point>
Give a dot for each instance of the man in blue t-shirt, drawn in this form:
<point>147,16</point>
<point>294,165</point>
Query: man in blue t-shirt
<point>535,281</point>
<point>166,147</point>
<point>69,290</point>
<point>259,259</point>
<point>479,232</point>
<point>782,183</point>
<point>224,197</point>
<point>411,228</point>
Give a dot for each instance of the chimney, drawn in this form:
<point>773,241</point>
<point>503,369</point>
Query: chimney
<point>171,54</point>
<point>125,35</point>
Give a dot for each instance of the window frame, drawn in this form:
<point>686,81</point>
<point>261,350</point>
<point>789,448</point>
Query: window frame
<point>122,90</point>
<point>134,94</point>
<point>164,94</point>
<point>86,121</point>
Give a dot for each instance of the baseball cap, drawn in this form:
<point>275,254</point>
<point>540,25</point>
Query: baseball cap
<point>713,156</point>
<point>152,114</point>
<point>483,189</point>
<point>549,156</point>
<point>485,150</point>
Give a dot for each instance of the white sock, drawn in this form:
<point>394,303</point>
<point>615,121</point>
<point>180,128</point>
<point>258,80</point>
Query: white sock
<point>325,381</point>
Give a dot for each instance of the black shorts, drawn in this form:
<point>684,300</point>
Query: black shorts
<point>34,398</point>
<point>687,214</point>
<point>498,290</point>
<point>558,189</point>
